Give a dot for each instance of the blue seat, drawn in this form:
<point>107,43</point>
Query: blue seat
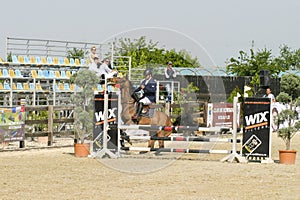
<point>40,73</point>
<point>19,86</point>
<point>51,74</point>
<point>72,61</point>
<point>67,87</point>
<point>82,62</point>
<point>61,61</point>
<point>46,73</point>
<point>26,60</point>
<point>99,88</point>
<point>31,86</point>
<point>63,74</point>
<point>6,86</point>
<point>15,59</point>
<point>18,73</point>
<point>49,60</point>
<point>38,60</point>
<point>5,73</point>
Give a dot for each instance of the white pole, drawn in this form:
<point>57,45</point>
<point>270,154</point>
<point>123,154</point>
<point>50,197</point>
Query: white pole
<point>234,155</point>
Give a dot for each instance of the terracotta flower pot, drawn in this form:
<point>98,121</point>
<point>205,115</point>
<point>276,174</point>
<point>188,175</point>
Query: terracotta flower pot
<point>287,156</point>
<point>82,150</point>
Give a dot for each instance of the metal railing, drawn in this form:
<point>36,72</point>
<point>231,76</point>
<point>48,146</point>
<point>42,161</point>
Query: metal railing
<point>52,48</point>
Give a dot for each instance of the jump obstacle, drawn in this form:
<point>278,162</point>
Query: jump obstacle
<point>117,152</point>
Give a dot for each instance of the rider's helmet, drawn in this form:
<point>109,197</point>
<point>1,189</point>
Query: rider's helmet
<point>147,72</point>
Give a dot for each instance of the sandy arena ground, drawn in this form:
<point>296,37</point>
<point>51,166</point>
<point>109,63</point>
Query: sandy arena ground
<point>55,173</point>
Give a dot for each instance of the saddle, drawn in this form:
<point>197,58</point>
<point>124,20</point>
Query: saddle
<point>148,111</point>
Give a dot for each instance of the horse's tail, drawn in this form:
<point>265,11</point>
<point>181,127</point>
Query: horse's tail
<point>168,123</point>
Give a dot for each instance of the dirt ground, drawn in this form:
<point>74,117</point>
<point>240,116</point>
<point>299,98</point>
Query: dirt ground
<point>55,173</point>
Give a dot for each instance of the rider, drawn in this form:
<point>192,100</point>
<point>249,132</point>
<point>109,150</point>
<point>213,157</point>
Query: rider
<point>148,87</point>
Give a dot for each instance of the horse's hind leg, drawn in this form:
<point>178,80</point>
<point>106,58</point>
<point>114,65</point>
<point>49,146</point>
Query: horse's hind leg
<point>151,143</point>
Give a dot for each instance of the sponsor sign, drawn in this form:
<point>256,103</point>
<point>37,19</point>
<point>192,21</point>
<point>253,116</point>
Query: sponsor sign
<point>12,123</point>
<point>111,119</point>
<point>221,114</point>
<point>256,134</point>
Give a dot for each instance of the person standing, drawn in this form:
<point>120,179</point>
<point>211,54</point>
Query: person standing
<point>148,89</point>
<point>270,95</point>
<point>170,74</point>
<point>92,55</point>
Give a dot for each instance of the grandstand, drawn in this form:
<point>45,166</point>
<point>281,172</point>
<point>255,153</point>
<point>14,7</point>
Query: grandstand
<point>38,71</point>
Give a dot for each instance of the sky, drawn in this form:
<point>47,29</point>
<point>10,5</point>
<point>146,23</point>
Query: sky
<point>213,31</point>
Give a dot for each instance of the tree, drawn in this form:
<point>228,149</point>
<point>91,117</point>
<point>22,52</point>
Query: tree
<point>290,89</point>
<point>76,53</point>
<point>145,54</point>
<point>288,58</point>
<point>84,102</point>
<point>251,65</point>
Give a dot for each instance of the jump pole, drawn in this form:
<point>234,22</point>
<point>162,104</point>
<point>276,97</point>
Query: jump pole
<point>234,155</point>
<point>172,138</point>
<point>105,151</point>
<point>177,150</point>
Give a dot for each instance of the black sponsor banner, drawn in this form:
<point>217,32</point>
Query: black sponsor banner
<point>111,119</point>
<point>256,134</point>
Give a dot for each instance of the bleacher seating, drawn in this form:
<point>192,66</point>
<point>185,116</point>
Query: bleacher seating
<point>34,74</point>
<point>3,62</point>
<point>21,59</point>
<point>14,59</point>
<point>66,61</point>
<point>72,61</point>
<point>27,74</point>
<point>6,86</point>
<point>18,73</point>
<point>5,73</point>
<point>11,73</point>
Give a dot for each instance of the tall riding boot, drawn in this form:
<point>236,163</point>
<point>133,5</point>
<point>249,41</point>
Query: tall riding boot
<point>138,110</point>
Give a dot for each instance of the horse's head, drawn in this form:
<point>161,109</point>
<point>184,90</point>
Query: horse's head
<point>123,82</point>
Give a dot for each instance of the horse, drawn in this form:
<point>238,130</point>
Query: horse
<point>128,110</point>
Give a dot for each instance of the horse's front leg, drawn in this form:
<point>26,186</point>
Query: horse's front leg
<point>151,142</point>
<point>161,143</point>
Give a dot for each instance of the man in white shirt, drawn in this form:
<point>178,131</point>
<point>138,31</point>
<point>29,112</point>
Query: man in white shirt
<point>95,66</point>
<point>270,95</point>
<point>105,71</point>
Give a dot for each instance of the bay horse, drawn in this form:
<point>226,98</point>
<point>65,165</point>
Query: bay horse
<point>128,110</point>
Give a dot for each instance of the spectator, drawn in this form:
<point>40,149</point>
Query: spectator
<point>95,66</point>
<point>148,91</point>
<point>92,55</point>
<point>170,74</point>
<point>270,95</point>
<point>105,71</point>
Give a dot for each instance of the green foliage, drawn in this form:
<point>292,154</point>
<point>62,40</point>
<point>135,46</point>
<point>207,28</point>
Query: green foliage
<point>83,101</point>
<point>234,94</point>
<point>288,58</point>
<point>9,57</point>
<point>251,65</point>
<point>147,54</point>
<point>76,53</point>
<point>290,83</point>
<point>290,87</point>
<point>186,94</point>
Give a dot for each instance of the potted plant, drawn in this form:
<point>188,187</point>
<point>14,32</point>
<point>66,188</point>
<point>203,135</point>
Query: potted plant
<point>83,101</point>
<point>287,119</point>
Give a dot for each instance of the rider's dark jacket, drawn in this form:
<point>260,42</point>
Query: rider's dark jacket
<point>149,90</point>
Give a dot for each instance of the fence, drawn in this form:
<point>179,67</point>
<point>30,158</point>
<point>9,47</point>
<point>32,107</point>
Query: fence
<point>55,121</point>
